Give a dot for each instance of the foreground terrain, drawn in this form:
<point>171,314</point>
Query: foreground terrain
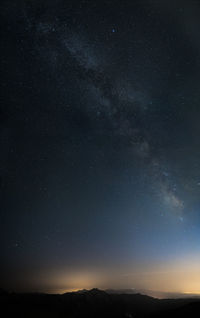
<point>95,303</point>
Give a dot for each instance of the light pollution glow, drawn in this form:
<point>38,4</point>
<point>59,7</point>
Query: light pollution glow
<point>182,276</point>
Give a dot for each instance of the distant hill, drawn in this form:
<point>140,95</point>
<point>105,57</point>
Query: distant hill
<point>94,303</point>
<point>152,293</point>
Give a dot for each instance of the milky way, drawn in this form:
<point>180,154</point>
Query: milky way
<point>100,156</point>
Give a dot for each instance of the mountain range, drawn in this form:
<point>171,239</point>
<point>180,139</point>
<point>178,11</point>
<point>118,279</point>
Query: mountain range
<point>95,303</point>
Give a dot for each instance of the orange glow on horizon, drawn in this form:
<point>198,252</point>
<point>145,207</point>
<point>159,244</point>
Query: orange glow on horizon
<point>181,276</point>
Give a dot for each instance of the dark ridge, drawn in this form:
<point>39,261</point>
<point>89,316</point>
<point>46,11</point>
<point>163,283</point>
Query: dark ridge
<point>94,303</point>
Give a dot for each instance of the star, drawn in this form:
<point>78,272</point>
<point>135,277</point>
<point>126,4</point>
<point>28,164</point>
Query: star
<point>98,149</point>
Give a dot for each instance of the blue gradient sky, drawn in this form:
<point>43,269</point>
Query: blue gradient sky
<point>100,153</point>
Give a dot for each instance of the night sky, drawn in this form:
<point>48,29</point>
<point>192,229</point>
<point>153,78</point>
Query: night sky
<point>100,145</point>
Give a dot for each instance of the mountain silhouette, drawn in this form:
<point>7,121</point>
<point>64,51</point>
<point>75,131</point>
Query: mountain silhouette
<point>94,303</point>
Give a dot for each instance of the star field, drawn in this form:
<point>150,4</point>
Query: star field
<point>100,156</point>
